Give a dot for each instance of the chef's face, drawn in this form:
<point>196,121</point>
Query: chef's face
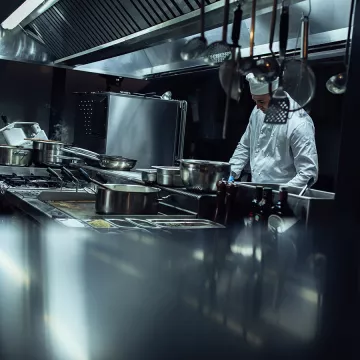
<point>262,101</point>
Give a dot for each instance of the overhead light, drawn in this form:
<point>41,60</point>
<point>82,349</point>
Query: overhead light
<point>21,13</point>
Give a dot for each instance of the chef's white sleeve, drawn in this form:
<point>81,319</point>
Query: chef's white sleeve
<point>303,147</point>
<point>241,154</point>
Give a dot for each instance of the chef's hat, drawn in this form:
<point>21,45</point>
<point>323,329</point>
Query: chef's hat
<point>260,88</point>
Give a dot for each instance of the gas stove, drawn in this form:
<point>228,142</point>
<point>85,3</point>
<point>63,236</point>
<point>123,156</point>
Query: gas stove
<point>17,178</point>
<point>33,181</point>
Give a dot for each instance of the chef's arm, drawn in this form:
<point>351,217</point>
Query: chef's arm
<point>241,154</point>
<point>305,155</point>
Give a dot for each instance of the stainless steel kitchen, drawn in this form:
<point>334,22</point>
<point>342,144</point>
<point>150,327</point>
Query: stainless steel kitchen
<point>177,179</point>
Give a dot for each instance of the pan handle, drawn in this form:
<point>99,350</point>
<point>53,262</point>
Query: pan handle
<point>86,177</point>
<point>237,25</point>
<point>54,173</point>
<point>82,153</point>
<point>304,38</point>
<point>164,198</point>
<point>284,30</point>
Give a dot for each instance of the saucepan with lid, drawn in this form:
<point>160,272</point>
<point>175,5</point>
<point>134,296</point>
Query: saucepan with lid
<point>15,156</point>
<point>124,199</point>
<point>46,151</point>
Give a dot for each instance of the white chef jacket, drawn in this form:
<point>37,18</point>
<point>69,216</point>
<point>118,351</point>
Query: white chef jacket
<point>278,154</point>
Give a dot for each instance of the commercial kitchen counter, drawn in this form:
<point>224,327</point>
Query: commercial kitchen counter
<point>74,294</point>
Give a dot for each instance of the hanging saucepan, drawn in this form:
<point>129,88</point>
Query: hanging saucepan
<point>109,162</point>
<point>124,199</point>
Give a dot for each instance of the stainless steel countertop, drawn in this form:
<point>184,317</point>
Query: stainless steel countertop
<point>69,294</point>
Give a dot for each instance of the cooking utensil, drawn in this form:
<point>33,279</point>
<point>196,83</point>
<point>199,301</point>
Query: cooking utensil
<point>202,175</point>
<point>308,185</point>
<point>219,51</point>
<point>230,74</point>
<point>56,175</point>
<point>196,46</point>
<point>169,176</point>
<point>248,65</point>
<point>69,175</point>
<point>127,199</point>
<point>87,178</point>
<point>268,68</point>
<point>299,79</point>
<point>47,151</point>
<point>116,162</point>
<point>110,162</point>
<point>63,160</point>
<point>337,83</point>
<point>15,156</point>
<point>149,176</point>
<point>279,106</point>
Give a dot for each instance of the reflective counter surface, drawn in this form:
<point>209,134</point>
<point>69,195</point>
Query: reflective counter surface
<point>74,294</point>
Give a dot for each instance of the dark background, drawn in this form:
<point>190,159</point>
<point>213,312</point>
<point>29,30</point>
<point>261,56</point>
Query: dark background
<point>45,95</point>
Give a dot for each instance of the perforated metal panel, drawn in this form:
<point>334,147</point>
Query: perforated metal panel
<point>70,27</point>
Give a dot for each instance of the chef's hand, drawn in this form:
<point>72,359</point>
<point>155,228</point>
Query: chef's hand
<point>231,179</point>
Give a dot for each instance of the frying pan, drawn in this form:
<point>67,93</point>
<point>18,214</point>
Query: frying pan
<point>109,162</point>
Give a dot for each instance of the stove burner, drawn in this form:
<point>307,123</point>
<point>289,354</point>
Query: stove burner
<point>32,181</point>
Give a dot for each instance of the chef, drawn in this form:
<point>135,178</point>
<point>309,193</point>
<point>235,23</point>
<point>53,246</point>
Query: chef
<point>278,154</point>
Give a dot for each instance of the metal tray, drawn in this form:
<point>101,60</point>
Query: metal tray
<point>144,223</point>
<point>185,224</point>
<point>122,223</point>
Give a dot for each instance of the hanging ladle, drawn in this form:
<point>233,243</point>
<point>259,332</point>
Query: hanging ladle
<point>337,83</point>
<point>196,46</point>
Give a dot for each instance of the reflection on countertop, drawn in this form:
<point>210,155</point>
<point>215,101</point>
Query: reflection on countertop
<point>80,295</point>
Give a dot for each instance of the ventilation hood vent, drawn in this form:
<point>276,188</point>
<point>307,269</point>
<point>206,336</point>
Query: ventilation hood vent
<point>141,39</point>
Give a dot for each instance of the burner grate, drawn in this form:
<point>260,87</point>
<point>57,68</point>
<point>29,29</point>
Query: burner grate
<point>32,181</point>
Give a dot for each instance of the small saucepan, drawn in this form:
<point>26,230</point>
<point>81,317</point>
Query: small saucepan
<point>124,199</point>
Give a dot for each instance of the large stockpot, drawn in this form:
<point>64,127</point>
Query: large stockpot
<point>47,152</point>
<point>202,175</point>
<point>127,200</point>
<point>15,156</point>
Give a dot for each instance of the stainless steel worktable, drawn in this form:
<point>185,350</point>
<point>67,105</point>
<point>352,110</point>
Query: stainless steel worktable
<point>75,294</point>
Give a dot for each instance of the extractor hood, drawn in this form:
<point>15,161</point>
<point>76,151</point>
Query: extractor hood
<point>142,39</point>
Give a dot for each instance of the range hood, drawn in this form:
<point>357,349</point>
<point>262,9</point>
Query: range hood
<point>143,39</point>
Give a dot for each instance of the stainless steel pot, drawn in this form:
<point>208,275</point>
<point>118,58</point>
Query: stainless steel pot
<point>169,176</point>
<point>127,200</point>
<point>47,152</point>
<point>148,176</point>
<point>202,175</point>
<point>15,156</point>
